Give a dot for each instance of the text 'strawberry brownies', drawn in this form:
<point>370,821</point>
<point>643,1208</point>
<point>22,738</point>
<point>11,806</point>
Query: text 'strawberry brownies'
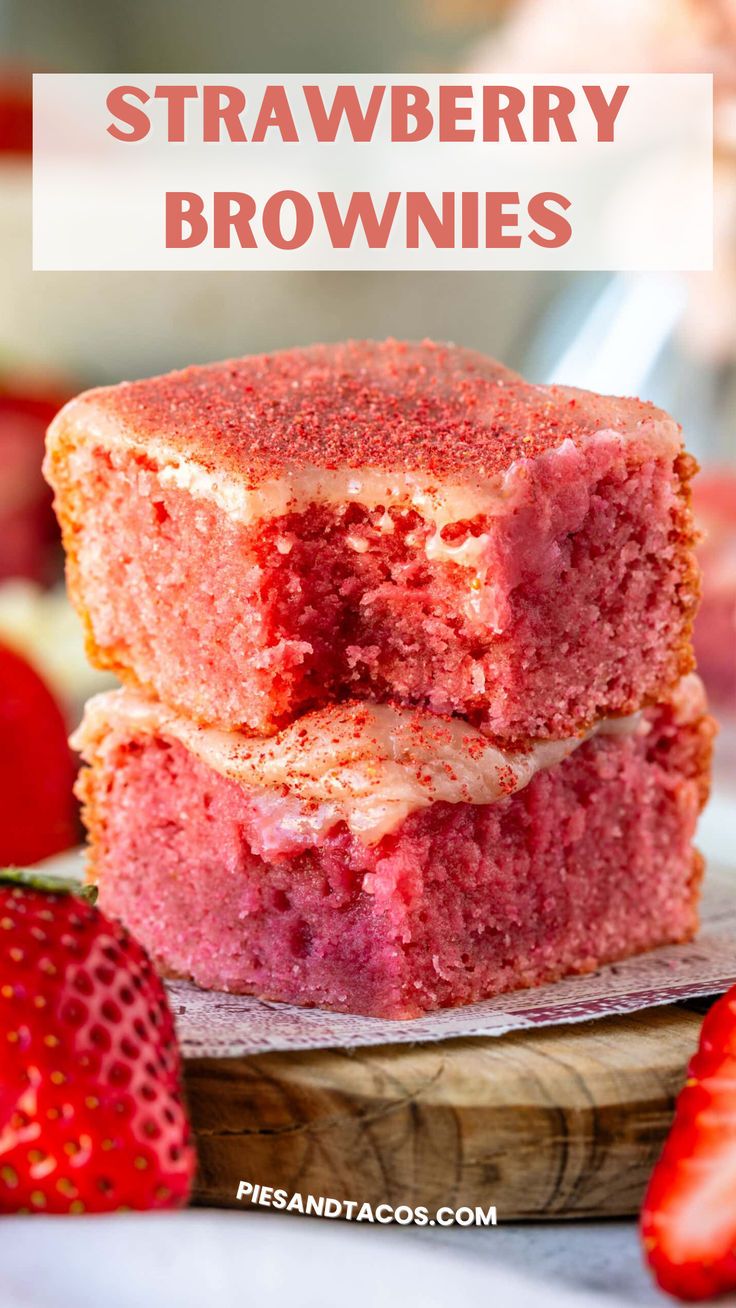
<point>385,861</point>
<point>253,539</point>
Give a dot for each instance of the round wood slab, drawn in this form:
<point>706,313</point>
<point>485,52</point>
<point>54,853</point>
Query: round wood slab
<point>565,1122</point>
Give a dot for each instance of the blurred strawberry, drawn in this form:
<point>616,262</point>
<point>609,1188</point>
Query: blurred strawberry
<point>27,526</point>
<point>16,112</point>
<point>715,626</point>
<point>688,1220</point>
<point>37,807</point>
<point>91,1117</point>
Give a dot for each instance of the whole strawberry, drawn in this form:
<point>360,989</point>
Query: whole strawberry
<point>37,808</point>
<point>91,1115</point>
<point>28,531</point>
<point>688,1219</point>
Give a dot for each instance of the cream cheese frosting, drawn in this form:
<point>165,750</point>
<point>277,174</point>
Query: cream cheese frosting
<point>440,504</point>
<point>367,765</point>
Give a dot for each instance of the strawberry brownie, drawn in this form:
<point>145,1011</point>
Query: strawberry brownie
<point>387,861</point>
<point>252,540</point>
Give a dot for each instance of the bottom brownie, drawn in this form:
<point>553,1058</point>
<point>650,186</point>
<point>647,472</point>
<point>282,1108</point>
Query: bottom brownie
<point>589,862</point>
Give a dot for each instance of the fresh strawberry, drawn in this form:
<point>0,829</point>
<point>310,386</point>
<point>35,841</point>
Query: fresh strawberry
<point>16,113</point>
<point>37,808</point>
<point>29,537</point>
<point>28,530</point>
<point>688,1220</point>
<point>91,1116</point>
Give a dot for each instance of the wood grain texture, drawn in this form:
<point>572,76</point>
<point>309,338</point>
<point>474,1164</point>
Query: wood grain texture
<point>565,1122</point>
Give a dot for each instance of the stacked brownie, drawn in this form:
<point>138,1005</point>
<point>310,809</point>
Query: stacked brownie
<point>409,716</point>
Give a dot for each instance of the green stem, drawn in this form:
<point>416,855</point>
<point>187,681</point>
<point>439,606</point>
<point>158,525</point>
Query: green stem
<point>35,879</point>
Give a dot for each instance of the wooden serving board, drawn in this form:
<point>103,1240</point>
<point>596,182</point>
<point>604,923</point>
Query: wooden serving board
<point>564,1122</point>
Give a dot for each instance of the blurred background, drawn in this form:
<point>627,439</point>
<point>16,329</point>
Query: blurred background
<point>668,339</point>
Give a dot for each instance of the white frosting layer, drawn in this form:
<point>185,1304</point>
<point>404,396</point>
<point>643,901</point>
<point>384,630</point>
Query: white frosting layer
<point>363,764</point>
<point>440,507</point>
<point>439,504</point>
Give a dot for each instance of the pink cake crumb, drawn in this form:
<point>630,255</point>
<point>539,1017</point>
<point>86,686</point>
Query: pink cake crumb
<point>530,566</point>
<point>591,862</point>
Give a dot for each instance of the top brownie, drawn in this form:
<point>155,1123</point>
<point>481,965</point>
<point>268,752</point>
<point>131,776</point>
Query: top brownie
<point>409,523</point>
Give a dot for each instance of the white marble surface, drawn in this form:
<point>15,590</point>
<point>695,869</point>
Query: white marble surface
<point>227,1260</point>
<point>602,1260</point>
<point>206,1259</point>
